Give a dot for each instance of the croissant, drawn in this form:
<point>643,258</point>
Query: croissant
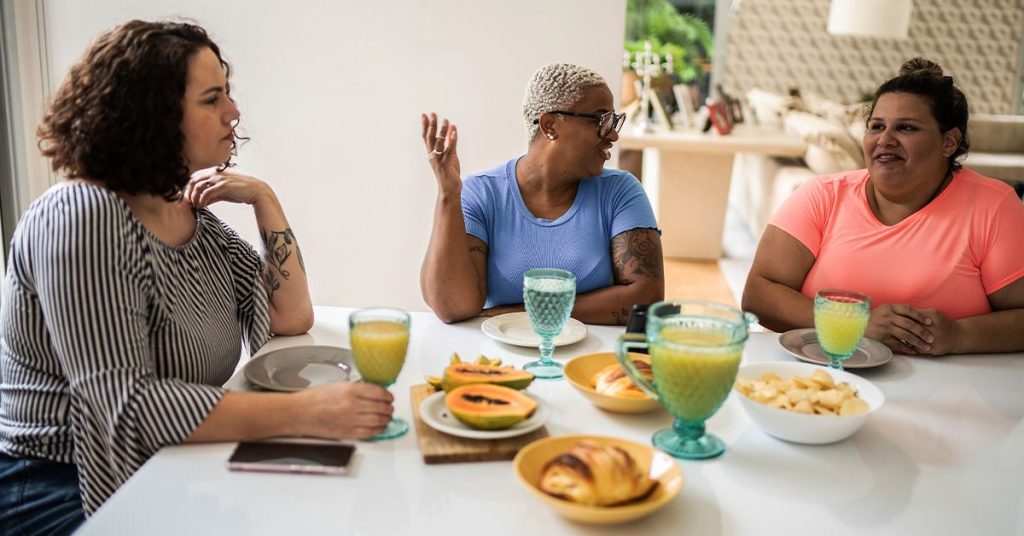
<point>595,475</point>
<point>613,381</point>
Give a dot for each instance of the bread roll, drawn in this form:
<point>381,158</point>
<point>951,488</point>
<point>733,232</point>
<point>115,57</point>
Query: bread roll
<point>613,381</point>
<point>595,475</point>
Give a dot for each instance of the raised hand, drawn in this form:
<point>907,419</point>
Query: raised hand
<point>440,142</point>
<point>211,186</point>
<point>902,328</point>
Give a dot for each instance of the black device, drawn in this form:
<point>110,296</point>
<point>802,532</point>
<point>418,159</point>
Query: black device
<point>637,323</point>
<point>309,458</point>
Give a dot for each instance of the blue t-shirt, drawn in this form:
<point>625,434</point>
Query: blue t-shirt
<point>578,241</point>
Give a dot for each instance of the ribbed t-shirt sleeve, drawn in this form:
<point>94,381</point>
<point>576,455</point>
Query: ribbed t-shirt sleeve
<point>1002,256</point>
<point>250,293</point>
<point>631,209</point>
<point>91,293</point>
<point>804,214</point>
<point>475,207</point>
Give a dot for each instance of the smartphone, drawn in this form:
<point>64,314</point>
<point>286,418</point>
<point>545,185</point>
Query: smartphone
<point>308,458</point>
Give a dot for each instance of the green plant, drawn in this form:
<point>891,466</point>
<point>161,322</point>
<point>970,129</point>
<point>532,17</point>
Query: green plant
<point>687,38</point>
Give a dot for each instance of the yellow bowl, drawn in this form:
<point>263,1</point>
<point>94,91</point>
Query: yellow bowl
<point>530,462</point>
<point>581,370</point>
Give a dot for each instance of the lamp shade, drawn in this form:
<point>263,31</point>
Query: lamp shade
<point>870,18</point>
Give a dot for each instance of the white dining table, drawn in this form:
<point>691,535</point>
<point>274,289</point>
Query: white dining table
<point>945,455</point>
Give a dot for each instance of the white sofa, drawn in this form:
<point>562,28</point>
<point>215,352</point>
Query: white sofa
<point>833,134</point>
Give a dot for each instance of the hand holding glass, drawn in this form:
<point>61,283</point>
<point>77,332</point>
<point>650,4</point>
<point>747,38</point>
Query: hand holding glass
<point>840,319</point>
<point>380,339</point>
<point>548,294</point>
<point>695,349</point>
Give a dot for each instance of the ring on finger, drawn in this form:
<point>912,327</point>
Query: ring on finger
<point>435,152</point>
<point>905,342</point>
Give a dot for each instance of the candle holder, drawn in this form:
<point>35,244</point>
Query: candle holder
<point>646,64</point>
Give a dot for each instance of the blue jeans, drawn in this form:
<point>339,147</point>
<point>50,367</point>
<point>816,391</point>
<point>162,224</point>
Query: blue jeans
<point>38,497</point>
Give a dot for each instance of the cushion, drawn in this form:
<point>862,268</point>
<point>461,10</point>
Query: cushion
<point>768,108</point>
<point>1007,167</point>
<point>991,133</point>
<point>830,148</point>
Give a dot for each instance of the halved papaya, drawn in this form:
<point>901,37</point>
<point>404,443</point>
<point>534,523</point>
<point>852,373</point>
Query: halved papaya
<point>489,407</point>
<point>459,374</point>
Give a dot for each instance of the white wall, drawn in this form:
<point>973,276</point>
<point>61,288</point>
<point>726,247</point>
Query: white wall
<point>331,93</point>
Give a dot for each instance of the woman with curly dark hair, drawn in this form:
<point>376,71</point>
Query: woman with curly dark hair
<point>126,302</point>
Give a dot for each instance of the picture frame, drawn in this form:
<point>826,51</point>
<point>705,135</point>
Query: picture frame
<point>732,105</point>
<point>719,117</point>
<point>684,101</point>
<point>660,117</point>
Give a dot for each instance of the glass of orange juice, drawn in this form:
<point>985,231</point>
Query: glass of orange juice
<point>380,338</point>
<point>840,319</point>
<point>695,349</point>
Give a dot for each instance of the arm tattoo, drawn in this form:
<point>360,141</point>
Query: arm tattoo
<point>635,253</point>
<point>621,316</point>
<point>277,249</point>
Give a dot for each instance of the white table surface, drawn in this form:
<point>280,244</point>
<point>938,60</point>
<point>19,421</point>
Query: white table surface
<point>943,456</point>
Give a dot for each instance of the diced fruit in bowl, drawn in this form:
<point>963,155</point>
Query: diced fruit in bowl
<point>806,403</point>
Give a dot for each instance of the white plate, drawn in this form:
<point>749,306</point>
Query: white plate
<point>298,367</point>
<point>803,345</point>
<point>436,415</point>
<point>515,329</point>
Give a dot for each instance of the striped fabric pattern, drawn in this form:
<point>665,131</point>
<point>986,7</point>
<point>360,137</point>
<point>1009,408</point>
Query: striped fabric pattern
<point>112,343</point>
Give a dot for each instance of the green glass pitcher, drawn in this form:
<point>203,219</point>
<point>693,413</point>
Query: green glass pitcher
<point>695,348</point>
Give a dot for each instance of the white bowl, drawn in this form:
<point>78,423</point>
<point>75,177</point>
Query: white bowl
<point>800,427</point>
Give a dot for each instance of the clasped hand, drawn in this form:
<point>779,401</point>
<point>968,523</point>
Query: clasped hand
<point>913,331</point>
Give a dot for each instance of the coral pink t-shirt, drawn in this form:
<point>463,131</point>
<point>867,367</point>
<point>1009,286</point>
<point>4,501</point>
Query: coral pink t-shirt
<point>964,245</point>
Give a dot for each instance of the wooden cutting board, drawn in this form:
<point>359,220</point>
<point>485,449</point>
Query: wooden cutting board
<point>439,447</point>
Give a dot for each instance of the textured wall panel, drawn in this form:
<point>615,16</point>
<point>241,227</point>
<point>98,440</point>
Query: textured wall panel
<point>781,44</point>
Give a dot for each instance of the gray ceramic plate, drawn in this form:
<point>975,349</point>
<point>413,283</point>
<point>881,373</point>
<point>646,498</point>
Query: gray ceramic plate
<point>803,345</point>
<point>297,367</point>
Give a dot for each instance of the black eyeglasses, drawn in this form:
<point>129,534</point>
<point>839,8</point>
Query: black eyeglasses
<point>606,122</point>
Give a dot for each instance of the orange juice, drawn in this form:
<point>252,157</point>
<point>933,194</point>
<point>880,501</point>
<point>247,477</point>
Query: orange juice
<point>840,327</point>
<point>694,370</point>
<point>378,348</point>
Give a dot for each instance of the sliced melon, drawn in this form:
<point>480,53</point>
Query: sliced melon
<point>470,373</point>
<point>489,407</point>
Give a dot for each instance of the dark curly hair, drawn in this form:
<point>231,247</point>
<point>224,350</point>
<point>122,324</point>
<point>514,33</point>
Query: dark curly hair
<point>947,103</point>
<point>117,117</point>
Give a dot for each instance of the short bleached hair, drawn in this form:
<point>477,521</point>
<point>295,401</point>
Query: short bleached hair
<point>555,87</point>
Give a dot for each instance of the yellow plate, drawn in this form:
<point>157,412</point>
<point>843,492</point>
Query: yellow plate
<point>530,461</point>
<point>581,370</point>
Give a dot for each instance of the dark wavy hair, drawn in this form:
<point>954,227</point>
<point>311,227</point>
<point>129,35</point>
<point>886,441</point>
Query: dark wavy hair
<point>117,117</point>
<point>947,103</point>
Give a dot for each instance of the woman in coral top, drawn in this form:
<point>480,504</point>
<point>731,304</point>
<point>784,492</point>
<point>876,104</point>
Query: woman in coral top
<point>936,247</point>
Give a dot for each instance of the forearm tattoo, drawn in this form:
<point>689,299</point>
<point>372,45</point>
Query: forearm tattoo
<point>278,247</point>
<point>635,253</point>
<point>621,316</point>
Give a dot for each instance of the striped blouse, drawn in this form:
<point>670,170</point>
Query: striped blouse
<point>112,343</point>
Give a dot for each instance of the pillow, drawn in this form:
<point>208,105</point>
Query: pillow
<point>768,108</point>
<point>829,146</point>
